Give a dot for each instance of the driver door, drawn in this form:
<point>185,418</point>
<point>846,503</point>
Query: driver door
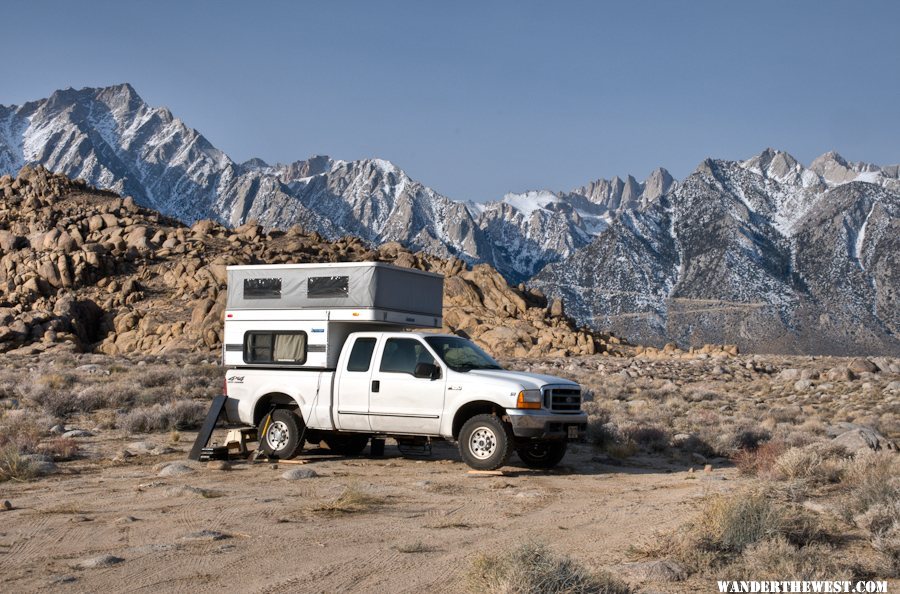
<point>399,402</point>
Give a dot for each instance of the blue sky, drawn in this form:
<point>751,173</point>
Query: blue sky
<point>480,98</point>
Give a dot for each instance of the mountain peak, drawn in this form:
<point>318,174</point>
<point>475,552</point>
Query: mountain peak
<point>831,156</point>
<point>658,183</point>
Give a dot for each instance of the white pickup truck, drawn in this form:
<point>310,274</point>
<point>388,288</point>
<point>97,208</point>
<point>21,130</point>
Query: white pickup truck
<point>345,375</point>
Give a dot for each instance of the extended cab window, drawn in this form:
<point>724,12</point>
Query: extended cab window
<point>361,354</point>
<point>401,355</point>
<point>275,347</point>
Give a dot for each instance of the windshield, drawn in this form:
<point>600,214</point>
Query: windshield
<point>460,354</point>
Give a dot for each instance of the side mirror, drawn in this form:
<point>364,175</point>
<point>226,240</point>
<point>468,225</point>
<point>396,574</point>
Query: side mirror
<point>427,371</point>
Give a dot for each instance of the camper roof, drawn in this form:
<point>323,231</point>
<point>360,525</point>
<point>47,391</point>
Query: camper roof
<point>357,285</point>
<point>333,265</point>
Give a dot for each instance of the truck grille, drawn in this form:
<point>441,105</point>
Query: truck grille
<point>563,399</point>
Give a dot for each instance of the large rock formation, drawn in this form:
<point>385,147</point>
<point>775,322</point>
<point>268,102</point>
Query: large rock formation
<point>85,269</point>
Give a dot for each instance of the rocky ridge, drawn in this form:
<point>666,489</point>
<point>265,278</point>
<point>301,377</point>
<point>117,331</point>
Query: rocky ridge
<point>89,270</point>
<point>767,253</point>
<point>763,253</point>
<point>114,140</point>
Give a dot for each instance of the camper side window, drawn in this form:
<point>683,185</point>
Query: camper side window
<point>262,288</point>
<point>275,347</point>
<point>327,287</point>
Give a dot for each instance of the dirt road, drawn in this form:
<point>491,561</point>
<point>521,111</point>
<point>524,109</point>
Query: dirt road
<point>415,525</point>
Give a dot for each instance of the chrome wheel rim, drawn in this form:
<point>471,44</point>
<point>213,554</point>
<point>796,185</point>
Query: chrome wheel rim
<point>483,443</point>
<point>277,435</point>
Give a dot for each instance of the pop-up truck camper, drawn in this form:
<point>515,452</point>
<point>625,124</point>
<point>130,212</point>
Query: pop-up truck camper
<point>347,352</point>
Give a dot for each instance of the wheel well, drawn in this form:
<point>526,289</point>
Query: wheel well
<point>265,404</point>
<point>469,410</point>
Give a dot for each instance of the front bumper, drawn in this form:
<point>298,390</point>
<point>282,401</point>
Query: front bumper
<point>541,424</point>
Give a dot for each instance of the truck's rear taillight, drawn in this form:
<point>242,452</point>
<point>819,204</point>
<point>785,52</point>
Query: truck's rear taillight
<point>225,386</point>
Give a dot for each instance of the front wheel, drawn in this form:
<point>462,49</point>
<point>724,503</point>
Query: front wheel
<point>485,442</point>
<point>280,434</point>
<point>542,454</point>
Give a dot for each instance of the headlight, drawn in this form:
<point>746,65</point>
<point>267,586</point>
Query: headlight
<point>529,399</point>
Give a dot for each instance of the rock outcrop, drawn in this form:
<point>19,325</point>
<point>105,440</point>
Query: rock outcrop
<point>89,270</point>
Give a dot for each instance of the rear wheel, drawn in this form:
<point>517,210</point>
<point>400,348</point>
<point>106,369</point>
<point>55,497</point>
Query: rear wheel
<point>485,442</point>
<point>280,434</point>
<point>542,454</point>
<point>347,445</point>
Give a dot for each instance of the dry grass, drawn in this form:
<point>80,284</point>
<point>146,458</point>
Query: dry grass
<point>779,559</point>
<point>351,501</point>
<point>533,568</point>
<point>13,466</point>
<point>20,431</point>
<point>730,531</point>
<point>414,547</point>
<point>163,417</point>
<point>760,460</point>
<point>62,387</point>
<point>59,448</point>
<point>730,524</point>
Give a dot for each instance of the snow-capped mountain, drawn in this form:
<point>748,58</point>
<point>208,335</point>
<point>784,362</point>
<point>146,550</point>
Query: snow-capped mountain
<point>764,253</point>
<point>114,140</point>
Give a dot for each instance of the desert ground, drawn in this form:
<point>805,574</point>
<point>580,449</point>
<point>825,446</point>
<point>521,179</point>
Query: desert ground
<point>684,452</point>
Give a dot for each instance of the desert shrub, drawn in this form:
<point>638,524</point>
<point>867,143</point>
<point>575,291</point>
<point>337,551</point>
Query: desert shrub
<point>20,432</point>
<point>205,373</point>
<point>53,393</point>
<point>778,559</point>
<point>158,377</point>
<point>701,395</point>
<point>872,479</point>
<point>352,500</point>
<point>13,466</point>
<point>155,395</point>
<point>653,437</point>
<point>59,448</point>
<point>195,383</point>
<point>887,542</point>
<point>163,417</point>
<point>599,430</point>
<point>745,438</point>
<point>758,461</point>
<point>730,524</point>
<point>533,568</point>
<point>786,414</point>
<point>9,388</point>
<point>733,523</point>
<point>814,463</point>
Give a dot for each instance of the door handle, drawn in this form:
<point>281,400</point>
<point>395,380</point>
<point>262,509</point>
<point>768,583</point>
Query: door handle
<point>376,385</point>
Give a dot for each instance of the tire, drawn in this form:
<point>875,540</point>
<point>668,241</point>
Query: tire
<point>283,438</point>
<point>485,442</point>
<point>542,454</point>
<point>347,445</point>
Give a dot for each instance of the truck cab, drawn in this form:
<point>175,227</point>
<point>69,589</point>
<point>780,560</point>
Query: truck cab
<point>379,379</point>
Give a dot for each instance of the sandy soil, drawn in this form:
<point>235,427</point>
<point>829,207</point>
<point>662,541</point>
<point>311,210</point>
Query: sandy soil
<point>264,533</point>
